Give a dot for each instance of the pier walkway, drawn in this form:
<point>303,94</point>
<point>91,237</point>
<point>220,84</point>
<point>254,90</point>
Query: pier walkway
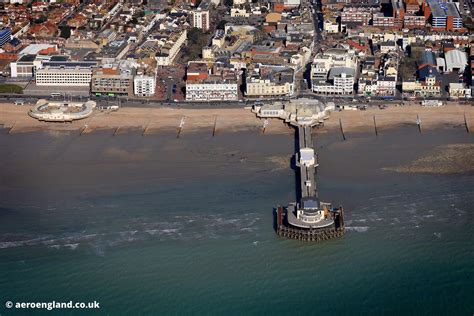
<point>307,163</point>
<point>308,218</point>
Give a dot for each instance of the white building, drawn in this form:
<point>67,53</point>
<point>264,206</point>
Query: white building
<point>291,3</point>
<point>455,61</point>
<point>200,19</point>
<point>340,81</point>
<point>331,27</point>
<point>306,157</point>
<point>58,76</point>
<point>388,46</point>
<point>144,86</point>
<point>386,86</point>
<point>200,16</point>
<point>267,80</point>
<point>459,90</point>
<point>237,12</point>
<point>25,66</point>
<point>170,47</point>
<point>334,72</point>
<point>212,91</point>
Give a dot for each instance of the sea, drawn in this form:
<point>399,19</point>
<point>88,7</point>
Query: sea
<point>160,225</point>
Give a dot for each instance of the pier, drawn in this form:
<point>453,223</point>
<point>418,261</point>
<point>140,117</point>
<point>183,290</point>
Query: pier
<point>309,219</point>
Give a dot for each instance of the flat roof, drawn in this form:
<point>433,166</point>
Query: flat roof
<point>59,58</point>
<point>436,9</point>
<point>452,10</point>
<point>29,57</point>
<point>35,48</point>
<point>310,203</point>
<point>70,64</point>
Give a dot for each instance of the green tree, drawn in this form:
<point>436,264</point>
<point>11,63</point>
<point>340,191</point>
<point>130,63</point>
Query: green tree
<point>41,19</point>
<point>221,24</point>
<point>65,32</point>
<point>228,3</point>
<point>194,35</point>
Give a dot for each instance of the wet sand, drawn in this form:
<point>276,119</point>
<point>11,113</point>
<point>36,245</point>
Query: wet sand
<point>154,120</point>
<point>452,158</point>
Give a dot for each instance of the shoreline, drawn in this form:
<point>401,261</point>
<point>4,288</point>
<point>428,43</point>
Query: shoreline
<point>150,121</point>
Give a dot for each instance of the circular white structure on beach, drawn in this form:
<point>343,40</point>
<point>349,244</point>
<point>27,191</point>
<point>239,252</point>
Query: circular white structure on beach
<point>53,111</point>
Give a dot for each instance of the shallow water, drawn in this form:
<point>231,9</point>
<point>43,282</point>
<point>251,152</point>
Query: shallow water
<point>155,224</point>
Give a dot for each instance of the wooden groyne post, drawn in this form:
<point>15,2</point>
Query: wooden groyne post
<point>265,124</point>
<point>116,131</point>
<point>214,129</point>
<point>465,123</point>
<point>11,129</point>
<point>418,122</point>
<point>342,130</point>
<point>375,126</point>
<point>83,130</point>
<point>144,130</point>
<point>181,125</point>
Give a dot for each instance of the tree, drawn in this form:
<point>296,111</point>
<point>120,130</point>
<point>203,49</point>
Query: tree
<point>229,3</point>
<point>41,19</point>
<point>194,34</point>
<point>65,32</point>
<point>221,24</point>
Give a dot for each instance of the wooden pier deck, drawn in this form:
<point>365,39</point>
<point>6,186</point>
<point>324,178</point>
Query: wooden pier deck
<point>307,173</point>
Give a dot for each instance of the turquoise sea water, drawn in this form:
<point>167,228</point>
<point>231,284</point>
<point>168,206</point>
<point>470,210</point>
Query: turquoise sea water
<point>159,225</point>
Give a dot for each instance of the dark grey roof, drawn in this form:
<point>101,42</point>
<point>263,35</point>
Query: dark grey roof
<point>71,64</point>
<point>26,58</point>
<point>336,71</point>
<point>426,71</point>
<point>310,203</point>
<point>59,58</point>
<point>428,57</point>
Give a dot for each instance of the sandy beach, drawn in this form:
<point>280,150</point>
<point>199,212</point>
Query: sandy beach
<point>152,120</point>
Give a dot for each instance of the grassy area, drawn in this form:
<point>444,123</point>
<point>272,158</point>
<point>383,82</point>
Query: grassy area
<point>10,88</point>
